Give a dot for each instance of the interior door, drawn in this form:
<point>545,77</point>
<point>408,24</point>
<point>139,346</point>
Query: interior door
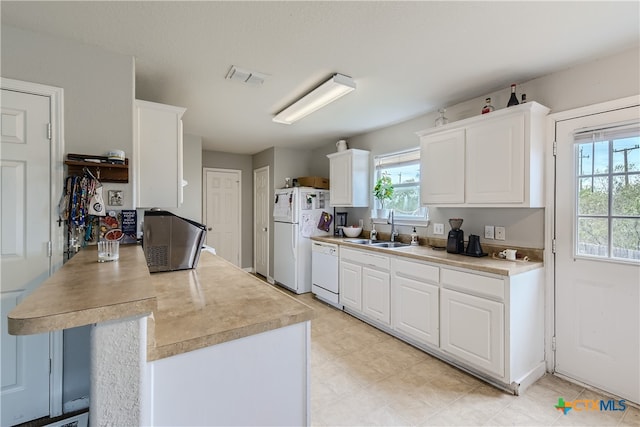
<point>597,260</point>
<point>25,260</point>
<point>261,221</point>
<point>221,202</point>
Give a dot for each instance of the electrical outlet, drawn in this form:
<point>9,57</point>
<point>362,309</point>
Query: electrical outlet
<point>438,228</point>
<point>489,231</point>
<point>500,233</point>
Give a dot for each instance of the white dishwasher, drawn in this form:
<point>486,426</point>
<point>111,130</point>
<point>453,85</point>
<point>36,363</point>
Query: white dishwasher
<point>324,272</point>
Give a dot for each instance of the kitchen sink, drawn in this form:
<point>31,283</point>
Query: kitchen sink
<point>389,244</point>
<point>358,241</point>
<point>376,243</point>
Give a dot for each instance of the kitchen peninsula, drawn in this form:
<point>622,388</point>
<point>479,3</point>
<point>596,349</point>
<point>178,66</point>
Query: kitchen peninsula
<point>188,347</point>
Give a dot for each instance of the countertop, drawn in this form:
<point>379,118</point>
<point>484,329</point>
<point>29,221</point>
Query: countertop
<point>190,309</point>
<point>485,264</point>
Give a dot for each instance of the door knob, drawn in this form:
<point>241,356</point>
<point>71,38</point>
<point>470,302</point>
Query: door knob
<point>209,229</point>
<point>264,229</point>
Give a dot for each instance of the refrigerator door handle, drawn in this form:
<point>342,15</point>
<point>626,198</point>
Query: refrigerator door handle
<point>293,239</point>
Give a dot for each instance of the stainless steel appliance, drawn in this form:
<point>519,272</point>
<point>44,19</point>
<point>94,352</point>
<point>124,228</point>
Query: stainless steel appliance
<point>324,272</point>
<point>171,242</point>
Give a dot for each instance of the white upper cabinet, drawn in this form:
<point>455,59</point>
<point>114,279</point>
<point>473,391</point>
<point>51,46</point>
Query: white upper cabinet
<point>442,164</point>
<point>158,155</point>
<point>349,178</point>
<point>492,160</point>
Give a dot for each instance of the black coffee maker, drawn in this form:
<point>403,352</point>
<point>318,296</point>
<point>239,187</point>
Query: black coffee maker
<point>455,240</point>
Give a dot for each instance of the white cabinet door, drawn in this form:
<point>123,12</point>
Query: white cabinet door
<point>472,329</point>
<point>349,178</point>
<point>442,163</point>
<point>351,285</point>
<point>495,161</point>
<point>158,155</point>
<point>376,294</point>
<point>340,172</point>
<point>416,309</point>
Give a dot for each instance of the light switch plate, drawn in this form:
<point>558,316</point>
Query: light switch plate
<point>489,231</point>
<point>438,228</point>
<point>500,233</point>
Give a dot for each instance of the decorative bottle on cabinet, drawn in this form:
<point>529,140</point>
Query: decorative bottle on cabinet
<point>513,99</point>
<point>487,106</point>
<point>441,119</point>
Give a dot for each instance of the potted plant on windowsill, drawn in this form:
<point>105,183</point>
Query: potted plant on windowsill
<point>383,190</point>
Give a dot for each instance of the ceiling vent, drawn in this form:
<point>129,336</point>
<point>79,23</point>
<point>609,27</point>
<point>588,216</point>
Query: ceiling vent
<point>245,76</point>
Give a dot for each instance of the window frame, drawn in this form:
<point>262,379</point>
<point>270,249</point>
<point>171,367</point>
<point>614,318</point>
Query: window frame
<point>593,136</point>
<point>388,158</point>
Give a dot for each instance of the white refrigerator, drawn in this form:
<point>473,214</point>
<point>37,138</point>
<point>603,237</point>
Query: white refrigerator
<point>297,212</point>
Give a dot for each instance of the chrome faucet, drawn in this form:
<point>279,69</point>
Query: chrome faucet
<point>394,232</point>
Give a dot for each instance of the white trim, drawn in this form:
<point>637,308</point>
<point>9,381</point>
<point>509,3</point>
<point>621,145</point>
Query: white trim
<point>549,260</point>
<point>56,103</point>
<point>255,233</point>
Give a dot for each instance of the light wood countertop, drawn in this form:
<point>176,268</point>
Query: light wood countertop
<point>84,291</point>
<point>191,309</point>
<point>426,253</point>
<point>215,303</point>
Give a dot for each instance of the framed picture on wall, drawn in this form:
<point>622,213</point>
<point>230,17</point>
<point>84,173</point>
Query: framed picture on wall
<point>115,198</point>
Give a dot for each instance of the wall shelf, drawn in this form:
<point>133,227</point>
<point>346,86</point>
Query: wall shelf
<point>104,171</point>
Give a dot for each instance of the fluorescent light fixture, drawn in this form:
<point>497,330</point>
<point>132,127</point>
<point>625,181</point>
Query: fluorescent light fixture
<point>337,86</point>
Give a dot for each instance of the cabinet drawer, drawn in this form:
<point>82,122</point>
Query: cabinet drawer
<point>422,272</point>
<point>473,283</point>
<point>365,258</point>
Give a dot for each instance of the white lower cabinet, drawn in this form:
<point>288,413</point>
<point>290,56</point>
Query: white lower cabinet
<point>376,295</point>
<point>351,285</point>
<point>488,324</point>
<point>416,300</point>
<point>365,284</point>
<point>472,329</point>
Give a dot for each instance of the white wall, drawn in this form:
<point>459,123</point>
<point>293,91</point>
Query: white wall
<point>590,83</point>
<point>98,91</point>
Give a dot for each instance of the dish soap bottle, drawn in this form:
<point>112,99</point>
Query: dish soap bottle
<point>374,234</point>
<point>414,237</point>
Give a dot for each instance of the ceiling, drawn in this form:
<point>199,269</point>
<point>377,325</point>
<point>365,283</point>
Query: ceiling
<point>407,58</point>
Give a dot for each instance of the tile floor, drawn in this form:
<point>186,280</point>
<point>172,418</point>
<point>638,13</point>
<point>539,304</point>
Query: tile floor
<point>362,376</point>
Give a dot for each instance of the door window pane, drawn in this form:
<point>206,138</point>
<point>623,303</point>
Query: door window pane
<point>626,155</point>
<point>626,195</point>
<point>593,236</point>
<point>626,238</point>
<point>593,196</point>
<point>608,193</point>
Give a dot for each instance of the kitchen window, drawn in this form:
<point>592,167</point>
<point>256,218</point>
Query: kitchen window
<point>404,169</point>
<point>608,193</point>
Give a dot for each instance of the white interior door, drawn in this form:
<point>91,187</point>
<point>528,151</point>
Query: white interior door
<point>261,220</point>
<point>221,202</point>
<point>597,231</point>
<point>25,257</point>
